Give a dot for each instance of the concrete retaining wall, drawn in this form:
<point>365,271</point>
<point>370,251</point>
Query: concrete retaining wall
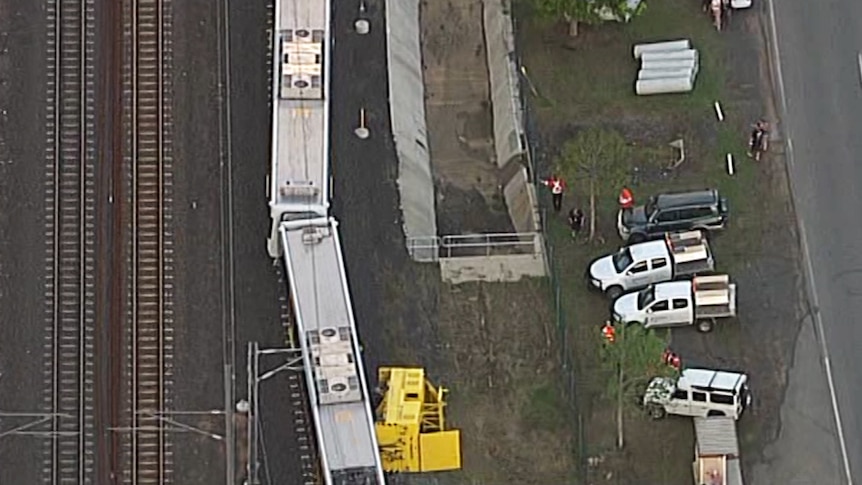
<point>520,196</point>
<point>407,110</point>
<point>492,268</point>
<point>502,70</point>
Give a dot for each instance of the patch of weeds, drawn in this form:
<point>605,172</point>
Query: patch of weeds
<point>544,409</point>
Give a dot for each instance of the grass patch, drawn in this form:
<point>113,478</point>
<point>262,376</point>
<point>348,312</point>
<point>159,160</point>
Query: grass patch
<point>504,385</point>
<point>596,71</point>
<point>589,81</point>
<point>544,409</point>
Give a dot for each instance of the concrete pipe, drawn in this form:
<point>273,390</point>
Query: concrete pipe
<point>646,87</point>
<point>671,45</point>
<point>681,64</point>
<point>680,55</point>
<point>665,73</point>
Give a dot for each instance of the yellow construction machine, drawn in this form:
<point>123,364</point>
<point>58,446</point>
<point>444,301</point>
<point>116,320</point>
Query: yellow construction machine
<point>411,428</point>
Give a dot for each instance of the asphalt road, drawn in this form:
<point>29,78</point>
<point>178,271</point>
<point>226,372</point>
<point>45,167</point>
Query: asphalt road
<point>820,83</point>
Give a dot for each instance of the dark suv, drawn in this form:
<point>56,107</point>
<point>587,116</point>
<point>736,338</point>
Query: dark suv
<point>671,212</point>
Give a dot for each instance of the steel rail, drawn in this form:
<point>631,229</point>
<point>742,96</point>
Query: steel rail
<point>150,458</point>
<point>69,457</point>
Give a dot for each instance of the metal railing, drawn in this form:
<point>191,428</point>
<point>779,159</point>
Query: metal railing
<point>498,244</point>
<point>432,248</point>
<point>424,249</point>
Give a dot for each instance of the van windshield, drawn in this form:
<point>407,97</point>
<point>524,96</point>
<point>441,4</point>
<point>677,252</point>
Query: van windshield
<point>622,259</point>
<point>645,297</point>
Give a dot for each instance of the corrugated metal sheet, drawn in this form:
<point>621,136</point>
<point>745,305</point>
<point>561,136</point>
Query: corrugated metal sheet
<point>505,98</point>
<point>716,436</point>
<point>407,110</point>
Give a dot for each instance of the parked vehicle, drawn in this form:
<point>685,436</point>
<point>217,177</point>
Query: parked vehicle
<point>698,393</point>
<point>702,301</point>
<point>702,210</point>
<point>716,452</point>
<point>633,267</point>
<point>630,9</point>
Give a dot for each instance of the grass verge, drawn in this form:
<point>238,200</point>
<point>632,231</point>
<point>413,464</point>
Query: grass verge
<point>589,81</point>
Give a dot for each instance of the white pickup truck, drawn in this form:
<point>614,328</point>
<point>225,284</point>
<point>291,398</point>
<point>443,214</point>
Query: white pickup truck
<point>639,265</point>
<point>702,301</point>
<point>698,393</point>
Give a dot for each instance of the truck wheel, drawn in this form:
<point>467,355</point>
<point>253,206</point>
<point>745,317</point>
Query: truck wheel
<point>656,411</point>
<point>637,238</point>
<point>614,292</point>
<point>704,325</point>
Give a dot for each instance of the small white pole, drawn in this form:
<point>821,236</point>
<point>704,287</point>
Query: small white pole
<point>730,164</point>
<point>362,131</point>
<point>718,111</point>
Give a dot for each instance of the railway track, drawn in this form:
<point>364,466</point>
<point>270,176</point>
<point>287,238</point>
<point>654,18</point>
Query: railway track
<point>306,442</point>
<point>70,235</point>
<point>147,450</point>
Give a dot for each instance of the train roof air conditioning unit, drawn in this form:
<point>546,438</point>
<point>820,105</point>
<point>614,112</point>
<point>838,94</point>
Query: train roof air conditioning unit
<point>301,80</point>
<point>338,362</point>
<point>328,335</point>
<point>334,334</point>
<point>338,390</point>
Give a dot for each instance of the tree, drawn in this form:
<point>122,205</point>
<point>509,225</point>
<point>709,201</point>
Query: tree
<point>633,359</point>
<point>590,12</point>
<point>599,157</point>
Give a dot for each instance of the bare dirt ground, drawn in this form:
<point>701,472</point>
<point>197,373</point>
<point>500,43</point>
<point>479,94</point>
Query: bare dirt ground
<point>588,81</point>
<point>458,114</point>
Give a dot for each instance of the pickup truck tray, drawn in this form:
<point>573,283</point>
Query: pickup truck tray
<point>691,252</point>
<point>714,296</point>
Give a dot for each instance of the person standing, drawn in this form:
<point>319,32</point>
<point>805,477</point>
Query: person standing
<point>626,199</point>
<point>670,358</point>
<point>576,221</point>
<point>759,139</point>
<point>557,186</point>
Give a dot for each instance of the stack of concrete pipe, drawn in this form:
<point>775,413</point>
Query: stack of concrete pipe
<point>666,67</point>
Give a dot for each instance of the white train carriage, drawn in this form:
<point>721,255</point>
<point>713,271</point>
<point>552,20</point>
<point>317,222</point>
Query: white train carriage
<point>299,182</point>
<point>307,238</point>
<point>335,377</point>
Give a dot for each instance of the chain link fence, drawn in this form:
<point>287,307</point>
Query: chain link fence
<point>568,368</point>
<point>538,164</point>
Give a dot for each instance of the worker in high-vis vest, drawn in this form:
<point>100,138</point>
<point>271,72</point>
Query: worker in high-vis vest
<point>609,333</point>
<point>557,186</point>
<point>669,357</point>
<point>626,199</point>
